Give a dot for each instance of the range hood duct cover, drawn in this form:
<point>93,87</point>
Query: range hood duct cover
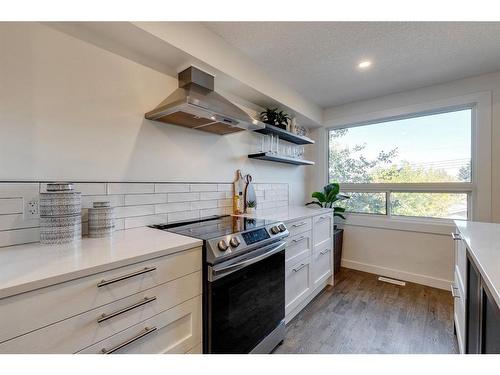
<point>196,105</point>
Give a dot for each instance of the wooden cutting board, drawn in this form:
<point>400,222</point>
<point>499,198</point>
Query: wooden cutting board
<point>249,191</point>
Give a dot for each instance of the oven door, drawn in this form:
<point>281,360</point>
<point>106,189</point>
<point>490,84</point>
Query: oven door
<point>245,301</point>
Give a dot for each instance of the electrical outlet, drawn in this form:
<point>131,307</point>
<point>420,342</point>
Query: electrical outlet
<point>31,209</point>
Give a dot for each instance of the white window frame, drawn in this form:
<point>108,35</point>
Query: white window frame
<point>478,190</point>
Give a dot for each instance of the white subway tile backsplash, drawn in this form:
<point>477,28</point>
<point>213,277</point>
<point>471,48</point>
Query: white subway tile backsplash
<point>129,211</point>
<point>203,187</point>
<point>224,187</point>
<point>185,215</point>
<point>17,221</point>
<point>142,221</point>
<point>19,236</point>
<point>136,204</point>
<point>203,204</point>
<point>212,211</point>
<point>225,202</point>
<point>183,197</point>
<point>212,195</point>
<point>172,207</point>
<point>171,188</point>
<point>130,188</point>
<point>18,190</point>
<point>86,188</point>
<point>119,224</point>
<point>11,206</point>
<point>137,199</point>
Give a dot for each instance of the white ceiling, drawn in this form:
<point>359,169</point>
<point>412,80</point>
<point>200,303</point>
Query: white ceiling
<point>319,59</point>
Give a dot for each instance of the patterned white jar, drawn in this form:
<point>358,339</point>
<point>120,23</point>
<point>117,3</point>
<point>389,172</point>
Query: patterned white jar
<point>60,214</point>
<point>101,220</point>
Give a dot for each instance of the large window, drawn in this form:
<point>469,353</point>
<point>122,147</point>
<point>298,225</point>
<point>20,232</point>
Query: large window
<point>419,166</point>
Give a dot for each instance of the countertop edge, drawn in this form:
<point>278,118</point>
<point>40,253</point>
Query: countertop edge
<point>73,275</point>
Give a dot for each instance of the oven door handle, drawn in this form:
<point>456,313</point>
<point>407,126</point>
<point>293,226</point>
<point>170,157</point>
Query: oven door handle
<point>217,273</point>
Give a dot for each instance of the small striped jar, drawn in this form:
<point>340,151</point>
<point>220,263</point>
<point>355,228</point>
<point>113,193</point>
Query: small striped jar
<point>101,220</point>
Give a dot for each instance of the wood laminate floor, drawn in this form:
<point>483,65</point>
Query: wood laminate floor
<point>363,315</point>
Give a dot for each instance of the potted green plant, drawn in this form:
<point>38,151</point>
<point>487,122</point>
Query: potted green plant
<point>326,199</point>
<point>251,205</point>
<point>274,117</point>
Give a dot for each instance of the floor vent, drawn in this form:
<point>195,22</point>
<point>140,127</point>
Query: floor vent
<point>392,281</point>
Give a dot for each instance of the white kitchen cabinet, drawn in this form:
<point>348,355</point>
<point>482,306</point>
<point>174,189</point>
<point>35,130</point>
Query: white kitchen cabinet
<point>73,334</point>
<point>461,262</point>
<point>309,261</point>
<point>322,263</point>
<point>70,316</point>
<point>298,280</point>
<point>459,312</point>
<point>322,268</point>
<point>458,290</point>
<point>322,229</point>
<point>42,307</point>
<point>174,331</point>
<point>298,246</point>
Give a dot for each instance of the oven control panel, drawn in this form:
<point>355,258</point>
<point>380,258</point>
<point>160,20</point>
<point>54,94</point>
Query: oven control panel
<point>231,245</point>
<point>255,236</point>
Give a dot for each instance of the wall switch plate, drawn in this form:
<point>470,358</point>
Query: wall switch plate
<point>31,210</point>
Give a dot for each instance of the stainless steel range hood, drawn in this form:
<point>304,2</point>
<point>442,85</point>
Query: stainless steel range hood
<point>196,105</point>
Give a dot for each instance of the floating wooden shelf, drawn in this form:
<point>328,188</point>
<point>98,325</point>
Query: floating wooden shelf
<point>286,135</point>
<point>279,159</point>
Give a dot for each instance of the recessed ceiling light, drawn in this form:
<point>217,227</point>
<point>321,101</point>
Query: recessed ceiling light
<point>364,64</point>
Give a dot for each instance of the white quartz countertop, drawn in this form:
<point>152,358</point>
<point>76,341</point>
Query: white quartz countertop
<point>289,213</point>
<point>483,240</point>
<point>27,267</point>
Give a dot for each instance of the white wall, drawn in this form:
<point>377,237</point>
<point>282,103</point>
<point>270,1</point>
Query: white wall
<point>425,255</point>
<point>72,111</point>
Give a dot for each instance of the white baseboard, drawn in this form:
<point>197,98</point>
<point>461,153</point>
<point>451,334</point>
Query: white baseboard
<point>397,274</point>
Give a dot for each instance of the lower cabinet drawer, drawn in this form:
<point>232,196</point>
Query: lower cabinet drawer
<point>299,226</point>
<point>297,283</point>
<point>322,261</point>
<point>73,334</point>
<point>298,246</point>
<point>52,304</point>
<point>177,330</point>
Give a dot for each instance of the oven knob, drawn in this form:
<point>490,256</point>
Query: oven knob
<point>222,245</point>
<point>235,242</point>
<point>282,227</point>
<point>275,230</point>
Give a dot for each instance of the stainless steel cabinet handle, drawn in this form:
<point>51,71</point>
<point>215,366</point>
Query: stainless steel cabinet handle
<point>324,251</point>
<point>322,218</point>
<point>453,289</point>
<point>105,317</point>
<point>146,331</point>
<point>297,269</point>
<point>299,225</point>
<point>124,277</point>
<point>299,239</point>
<point>456,236</point>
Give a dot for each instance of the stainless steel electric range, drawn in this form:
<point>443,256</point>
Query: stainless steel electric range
<point>243,282</point>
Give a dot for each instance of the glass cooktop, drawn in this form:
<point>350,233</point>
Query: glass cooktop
<point>213,226</point>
